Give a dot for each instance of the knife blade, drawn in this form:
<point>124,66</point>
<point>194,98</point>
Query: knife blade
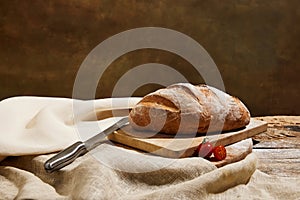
<point>68,155</point>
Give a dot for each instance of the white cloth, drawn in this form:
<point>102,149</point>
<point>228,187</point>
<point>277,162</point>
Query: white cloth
<point>34,126</point>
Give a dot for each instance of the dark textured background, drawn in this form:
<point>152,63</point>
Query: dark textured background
<point>255,44</point>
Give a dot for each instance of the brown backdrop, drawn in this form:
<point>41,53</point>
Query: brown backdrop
<point>255,44</point>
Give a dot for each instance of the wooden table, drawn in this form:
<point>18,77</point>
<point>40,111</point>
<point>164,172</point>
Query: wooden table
<point>278,149</point>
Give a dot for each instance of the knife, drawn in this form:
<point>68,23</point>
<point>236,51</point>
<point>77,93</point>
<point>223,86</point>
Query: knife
<point>68,155</point>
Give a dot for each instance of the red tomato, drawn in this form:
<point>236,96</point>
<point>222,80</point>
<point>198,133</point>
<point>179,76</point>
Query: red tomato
<point>204,150</point>
<point>219,152</point>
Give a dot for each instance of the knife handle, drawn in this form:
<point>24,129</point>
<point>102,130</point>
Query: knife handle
<point>65,157</point>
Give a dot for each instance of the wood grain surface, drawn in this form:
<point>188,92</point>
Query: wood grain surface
<point>278,149</point>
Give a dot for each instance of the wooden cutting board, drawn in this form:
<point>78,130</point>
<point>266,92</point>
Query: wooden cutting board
<point>182,146</point>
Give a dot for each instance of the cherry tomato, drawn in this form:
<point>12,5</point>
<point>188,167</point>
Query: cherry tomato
<point>204,150</point>
<point>219,152</point>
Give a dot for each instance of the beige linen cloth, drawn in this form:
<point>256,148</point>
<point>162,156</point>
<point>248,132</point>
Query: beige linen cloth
<point>33,128</point>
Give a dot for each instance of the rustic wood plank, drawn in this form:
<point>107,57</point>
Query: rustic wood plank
<point>279,162</point>
<point>277,133</point>
<point>280,121</point>
<point>278,149</point>
<point>286,143</point>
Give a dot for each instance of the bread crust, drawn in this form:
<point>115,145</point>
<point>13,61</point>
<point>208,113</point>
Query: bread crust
<point>185,108</point>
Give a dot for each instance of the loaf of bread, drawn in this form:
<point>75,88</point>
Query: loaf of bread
<point>185,108</point>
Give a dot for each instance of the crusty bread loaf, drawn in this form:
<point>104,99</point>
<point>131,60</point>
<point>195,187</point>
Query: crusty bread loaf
<point>185,108</point>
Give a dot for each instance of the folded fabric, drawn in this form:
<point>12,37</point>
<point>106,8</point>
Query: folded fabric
<point>33,127</point>
<point>36,125</point>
